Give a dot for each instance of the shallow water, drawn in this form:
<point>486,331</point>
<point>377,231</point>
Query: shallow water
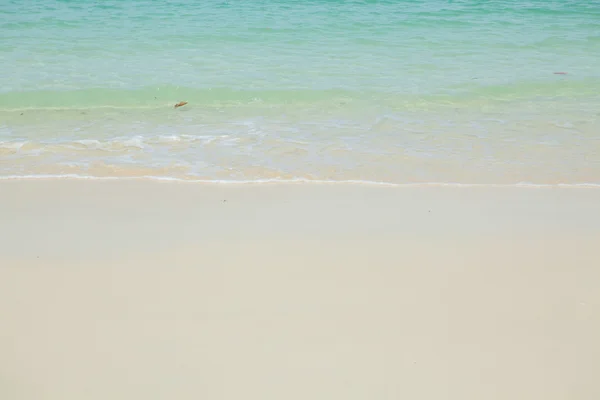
<point>378,91</point>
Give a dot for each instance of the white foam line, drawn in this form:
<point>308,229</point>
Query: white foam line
<point>295,181</point>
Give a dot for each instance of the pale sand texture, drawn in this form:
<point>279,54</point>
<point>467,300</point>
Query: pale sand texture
<point>142,290</point>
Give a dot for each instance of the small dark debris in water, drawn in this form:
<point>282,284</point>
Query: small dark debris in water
<point>180,104</point>
<point>560,73</point>
<point>224,201</point>
<point>21,113</point>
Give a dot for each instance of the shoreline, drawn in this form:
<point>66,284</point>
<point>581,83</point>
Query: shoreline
<point>293,181</point>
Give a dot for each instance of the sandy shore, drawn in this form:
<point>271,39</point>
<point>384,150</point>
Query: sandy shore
<point>147,290</point>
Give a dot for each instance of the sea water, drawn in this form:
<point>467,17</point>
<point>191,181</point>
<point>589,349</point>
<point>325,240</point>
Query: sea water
<point>396,91</point>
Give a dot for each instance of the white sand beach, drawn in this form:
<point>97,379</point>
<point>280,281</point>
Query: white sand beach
<point>147,290</point>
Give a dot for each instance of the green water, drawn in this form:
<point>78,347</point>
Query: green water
<point>385,91</point>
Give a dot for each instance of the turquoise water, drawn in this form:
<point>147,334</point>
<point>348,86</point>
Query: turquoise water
<point>383,91</point>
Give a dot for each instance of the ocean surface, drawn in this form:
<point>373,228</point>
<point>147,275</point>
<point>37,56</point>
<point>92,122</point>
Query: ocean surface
<point>397,91</point>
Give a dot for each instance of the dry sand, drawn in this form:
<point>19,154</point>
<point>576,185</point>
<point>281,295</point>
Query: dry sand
<point>146,290</point>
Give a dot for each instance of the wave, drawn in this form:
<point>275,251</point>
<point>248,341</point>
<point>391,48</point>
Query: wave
<point>156,97</point>
<point>161,96</point>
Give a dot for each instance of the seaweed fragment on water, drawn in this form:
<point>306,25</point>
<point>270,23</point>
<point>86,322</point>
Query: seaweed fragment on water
<point>180,104</point>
